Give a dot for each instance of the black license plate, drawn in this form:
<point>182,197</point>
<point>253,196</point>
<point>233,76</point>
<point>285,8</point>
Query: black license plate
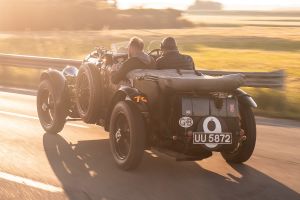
<point>212,138</point>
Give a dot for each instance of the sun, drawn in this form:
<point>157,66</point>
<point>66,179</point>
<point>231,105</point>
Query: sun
<point>228,4</point>
<point>158,4</point>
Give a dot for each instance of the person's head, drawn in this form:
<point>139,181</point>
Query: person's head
<point>135,46</point>
<point>168,44</point>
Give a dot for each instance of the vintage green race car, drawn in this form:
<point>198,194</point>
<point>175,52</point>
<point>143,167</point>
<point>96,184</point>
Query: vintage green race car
<point>182,113</point>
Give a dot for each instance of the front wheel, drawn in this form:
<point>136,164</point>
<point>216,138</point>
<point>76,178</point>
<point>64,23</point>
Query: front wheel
<point>248,126</point>
<point>52,114</point>
<point>127,135</point>
<point>88,87</point>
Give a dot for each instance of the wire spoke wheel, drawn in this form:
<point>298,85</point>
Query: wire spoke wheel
<point>52,115</point>
<point>247,138</point>
<point>83,92</point>
<point>88,90</point>
<point>127,135</point>
<point>122,137</point>
<point>48,106</point>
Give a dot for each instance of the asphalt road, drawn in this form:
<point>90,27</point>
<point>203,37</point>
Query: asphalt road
<point>77,164</point>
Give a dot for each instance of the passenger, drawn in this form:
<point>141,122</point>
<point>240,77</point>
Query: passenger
<point>171,57</point>
<point>137,59</point>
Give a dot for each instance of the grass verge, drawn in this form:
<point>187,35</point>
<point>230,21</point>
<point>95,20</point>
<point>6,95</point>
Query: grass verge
<point>238,49</point>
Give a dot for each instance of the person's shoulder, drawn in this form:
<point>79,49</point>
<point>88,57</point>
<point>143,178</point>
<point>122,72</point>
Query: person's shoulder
<point>186,57</point>
<point>131,61</point>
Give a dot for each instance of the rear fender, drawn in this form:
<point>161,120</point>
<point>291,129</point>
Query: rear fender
<point>58,82</point>
<point>245,99</point>
<point>126,93</point>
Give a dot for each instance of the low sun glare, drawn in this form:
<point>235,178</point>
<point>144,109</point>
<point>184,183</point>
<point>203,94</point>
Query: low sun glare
<point>228,4</point>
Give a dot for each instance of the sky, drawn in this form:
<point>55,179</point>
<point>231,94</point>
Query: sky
<point>228,4</point>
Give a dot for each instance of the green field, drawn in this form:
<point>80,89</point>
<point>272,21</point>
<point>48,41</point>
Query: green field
<point>245,48</point>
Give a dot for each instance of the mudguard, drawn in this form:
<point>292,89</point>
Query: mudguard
<point>58,82</point>
<point>245,99</point>
<point>128,94</point>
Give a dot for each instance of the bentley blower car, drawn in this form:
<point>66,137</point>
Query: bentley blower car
<point>182,113</point>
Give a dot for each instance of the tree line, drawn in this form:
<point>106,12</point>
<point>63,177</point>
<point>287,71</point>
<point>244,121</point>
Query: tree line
<point>20,15</point>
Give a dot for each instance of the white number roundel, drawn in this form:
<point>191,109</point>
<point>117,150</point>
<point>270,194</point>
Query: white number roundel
<point>217,128</point>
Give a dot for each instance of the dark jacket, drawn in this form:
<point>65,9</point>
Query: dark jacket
<point>141,61</point>
<point>175,60</point>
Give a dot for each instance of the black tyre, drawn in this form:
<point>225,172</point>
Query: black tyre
<point>127,135</point>
<point>88,89</point>
<point>52,115</point>
<point>245,150</point>
<point>73,113</point>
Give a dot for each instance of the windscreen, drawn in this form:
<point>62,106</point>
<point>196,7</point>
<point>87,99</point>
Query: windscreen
<point>120,47</point>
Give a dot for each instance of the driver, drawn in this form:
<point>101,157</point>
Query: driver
<point>171,57</point>
<point>137,59</point>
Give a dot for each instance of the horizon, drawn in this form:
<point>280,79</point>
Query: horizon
<point>228,4</point>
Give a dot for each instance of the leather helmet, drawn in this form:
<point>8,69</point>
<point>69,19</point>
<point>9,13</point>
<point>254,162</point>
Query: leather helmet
<point>168,43</point>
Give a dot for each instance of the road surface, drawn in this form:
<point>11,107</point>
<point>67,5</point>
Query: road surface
<point>77,164</point>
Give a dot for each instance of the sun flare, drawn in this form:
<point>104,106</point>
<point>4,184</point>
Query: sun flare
<point>228,4</point>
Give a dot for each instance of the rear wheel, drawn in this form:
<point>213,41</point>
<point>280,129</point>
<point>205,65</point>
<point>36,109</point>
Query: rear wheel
<point>127,135</point>
<point>52,114</point>
<point>245,149</point>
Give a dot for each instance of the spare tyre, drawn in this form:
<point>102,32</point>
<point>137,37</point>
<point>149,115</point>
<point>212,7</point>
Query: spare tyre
<point>88,90</point>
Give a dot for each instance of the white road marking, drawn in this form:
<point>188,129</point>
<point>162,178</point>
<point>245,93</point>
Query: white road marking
<point>29,182</point>
<point>36,118</point>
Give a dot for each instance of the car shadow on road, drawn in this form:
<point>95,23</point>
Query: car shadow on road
<point>86,170</point>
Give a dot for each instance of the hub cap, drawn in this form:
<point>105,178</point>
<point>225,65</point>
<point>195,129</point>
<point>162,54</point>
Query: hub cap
<point>122,137</point>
